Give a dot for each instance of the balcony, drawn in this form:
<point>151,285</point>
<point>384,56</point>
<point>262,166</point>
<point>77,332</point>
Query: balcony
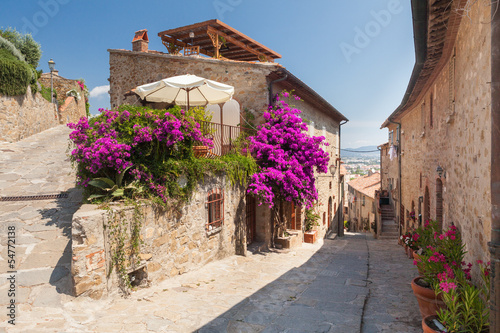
<point>226,138</point>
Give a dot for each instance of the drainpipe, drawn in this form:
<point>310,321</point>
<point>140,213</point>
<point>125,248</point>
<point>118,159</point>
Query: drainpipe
<point>494,245</point>
<point>398,209</point>
<point>271,95</point>
<point>340,230</point>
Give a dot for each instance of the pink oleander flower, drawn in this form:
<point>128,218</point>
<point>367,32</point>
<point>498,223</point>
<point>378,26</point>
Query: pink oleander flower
<point>447,286</point>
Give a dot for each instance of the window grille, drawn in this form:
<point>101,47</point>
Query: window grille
<point>215,207</point>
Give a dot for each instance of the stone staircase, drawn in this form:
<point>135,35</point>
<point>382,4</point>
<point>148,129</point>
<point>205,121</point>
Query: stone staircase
<point>389,226</point>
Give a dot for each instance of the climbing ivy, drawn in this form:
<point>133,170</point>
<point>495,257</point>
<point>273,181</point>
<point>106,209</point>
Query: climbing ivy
<point>125,241</point>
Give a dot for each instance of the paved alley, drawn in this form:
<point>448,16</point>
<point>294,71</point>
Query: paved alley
<point>349,284</point>
<point>32,169</point>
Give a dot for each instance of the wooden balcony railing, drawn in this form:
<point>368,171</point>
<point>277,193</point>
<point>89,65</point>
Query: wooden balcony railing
<point>226,138</point>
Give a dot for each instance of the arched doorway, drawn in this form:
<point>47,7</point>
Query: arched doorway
<point>439,203</point>
<point>329,212</point>
<point>427,204</point>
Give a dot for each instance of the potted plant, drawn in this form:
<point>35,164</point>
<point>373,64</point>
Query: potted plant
<point>467,304</point>
<point>445,255</point>
<point>310,222</point>
<point>202,117</point>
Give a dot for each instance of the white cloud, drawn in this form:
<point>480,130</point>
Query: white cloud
<point>99,91</point>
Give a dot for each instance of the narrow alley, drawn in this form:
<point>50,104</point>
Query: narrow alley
<point>349,284</point>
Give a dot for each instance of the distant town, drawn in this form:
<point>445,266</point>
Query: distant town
<point>360,161</point>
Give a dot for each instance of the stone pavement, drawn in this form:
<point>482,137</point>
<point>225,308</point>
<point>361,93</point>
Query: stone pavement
<point>37,166</point>
<point>350,284</point>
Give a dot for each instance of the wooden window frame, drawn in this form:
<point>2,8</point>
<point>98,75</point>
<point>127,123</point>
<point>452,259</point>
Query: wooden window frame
<point>215,210</point>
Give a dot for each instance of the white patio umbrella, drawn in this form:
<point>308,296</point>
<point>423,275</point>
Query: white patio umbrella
<point>189,90</point>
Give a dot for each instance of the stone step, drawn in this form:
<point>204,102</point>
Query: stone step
<point>387,237</point>
<point>390,233</point>
<point>389,227</point>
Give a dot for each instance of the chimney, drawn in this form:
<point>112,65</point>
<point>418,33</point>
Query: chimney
<point>140,41</point>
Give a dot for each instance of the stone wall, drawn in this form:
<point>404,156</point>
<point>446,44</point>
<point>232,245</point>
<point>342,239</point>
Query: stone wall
<point>67,113</point>
<point>22,116</point>
<point>174,242</point>
<point>71,110</point>
<point>458,139</point>
<point>130,69</point>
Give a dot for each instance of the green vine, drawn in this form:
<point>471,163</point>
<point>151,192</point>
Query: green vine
<point>123,256</point>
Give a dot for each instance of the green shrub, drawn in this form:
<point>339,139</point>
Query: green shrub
<point>27,46</point>
<point>9,46</point>
<point>45,91</point>
<point>15,75</point>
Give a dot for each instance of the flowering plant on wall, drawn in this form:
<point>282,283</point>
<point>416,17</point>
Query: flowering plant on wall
<point>139,145</point>
<point>288,158</point>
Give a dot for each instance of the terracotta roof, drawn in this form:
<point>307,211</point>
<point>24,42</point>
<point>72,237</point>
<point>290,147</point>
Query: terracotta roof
<point>367,185</point>
<point>291,82</point>
<point>236,46</point>
<point>343,170</point>
<point>435,28</point>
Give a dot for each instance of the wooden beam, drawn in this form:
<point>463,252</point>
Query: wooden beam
<point>225,26</point>
<point>238,43</point>
<point>186,28</point>
<point>180,43</point>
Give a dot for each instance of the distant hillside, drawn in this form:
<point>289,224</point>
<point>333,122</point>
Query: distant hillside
<point>360,152</point>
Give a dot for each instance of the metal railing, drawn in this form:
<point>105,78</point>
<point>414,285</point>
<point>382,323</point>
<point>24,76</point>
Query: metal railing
<point>226,138</point>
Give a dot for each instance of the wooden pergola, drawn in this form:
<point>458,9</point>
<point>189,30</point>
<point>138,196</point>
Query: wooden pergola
<point>215,39</point>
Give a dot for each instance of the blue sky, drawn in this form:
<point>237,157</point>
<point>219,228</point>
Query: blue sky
<point>357,54</point>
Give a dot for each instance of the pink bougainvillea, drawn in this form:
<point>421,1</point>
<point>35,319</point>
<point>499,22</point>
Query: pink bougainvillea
<point>287,156</point>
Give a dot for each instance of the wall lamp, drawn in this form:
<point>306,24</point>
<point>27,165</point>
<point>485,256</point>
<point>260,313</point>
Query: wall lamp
<point>440,171</point>
<point>333,168</point>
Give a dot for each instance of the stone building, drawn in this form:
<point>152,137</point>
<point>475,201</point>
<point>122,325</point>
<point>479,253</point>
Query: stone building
<point>175,243</point>
<point>361,201</point>
<point>437,161</point>
<point>70,97</point>
<point>23,116</point>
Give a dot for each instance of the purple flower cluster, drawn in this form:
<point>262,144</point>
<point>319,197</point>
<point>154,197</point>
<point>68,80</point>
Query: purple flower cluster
<point>288,158</point>
<point>103,153</point>
<point>116,140</point>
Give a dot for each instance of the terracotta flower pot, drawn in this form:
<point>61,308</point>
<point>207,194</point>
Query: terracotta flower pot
<point>428,301</point>
<point>418,258</point>
<point>410,253</point>
<point>310,236</point>
<point>426,324</point>
<point>200,151</point>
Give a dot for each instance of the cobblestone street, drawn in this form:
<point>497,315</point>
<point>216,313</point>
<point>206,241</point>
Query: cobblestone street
<point>349,284</point>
